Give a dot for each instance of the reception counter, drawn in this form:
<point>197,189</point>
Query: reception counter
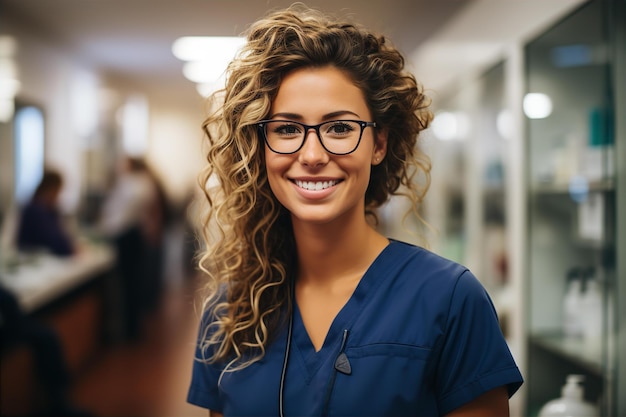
<point>42,279</point>
<point>78,298</point>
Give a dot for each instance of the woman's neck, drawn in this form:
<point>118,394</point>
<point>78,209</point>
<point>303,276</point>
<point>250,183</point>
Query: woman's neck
<point>329,253</point>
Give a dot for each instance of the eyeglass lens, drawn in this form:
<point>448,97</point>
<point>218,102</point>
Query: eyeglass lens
<point>337,136</point>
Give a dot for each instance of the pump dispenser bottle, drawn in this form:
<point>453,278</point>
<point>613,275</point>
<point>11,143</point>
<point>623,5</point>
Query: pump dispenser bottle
<point>571,403</point>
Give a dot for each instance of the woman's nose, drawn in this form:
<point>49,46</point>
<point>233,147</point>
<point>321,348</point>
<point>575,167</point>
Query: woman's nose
<point>312,152</point>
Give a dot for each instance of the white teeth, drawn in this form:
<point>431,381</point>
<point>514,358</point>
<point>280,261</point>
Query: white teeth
<point>315,186</point>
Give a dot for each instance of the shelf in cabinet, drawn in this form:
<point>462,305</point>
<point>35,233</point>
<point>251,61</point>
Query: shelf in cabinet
<point>575,350</point>
<point>563,188</point>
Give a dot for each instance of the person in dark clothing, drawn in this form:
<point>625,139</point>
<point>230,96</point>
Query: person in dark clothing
<point>133,218</point>
<point>17,328</point>
<point>40,223</point>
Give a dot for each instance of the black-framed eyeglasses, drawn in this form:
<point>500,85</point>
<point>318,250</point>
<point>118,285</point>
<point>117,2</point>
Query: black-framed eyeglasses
<point>338,137</point>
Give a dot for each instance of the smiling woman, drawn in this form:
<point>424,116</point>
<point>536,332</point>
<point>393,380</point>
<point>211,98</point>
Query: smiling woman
<point>309,310</point>
<point>342,160</point>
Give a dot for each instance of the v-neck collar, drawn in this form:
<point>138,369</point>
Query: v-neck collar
<point>303,347</point>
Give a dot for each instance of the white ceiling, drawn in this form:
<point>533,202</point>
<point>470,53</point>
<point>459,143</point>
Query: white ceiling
<point>131,39</point>
<point>481,34</point>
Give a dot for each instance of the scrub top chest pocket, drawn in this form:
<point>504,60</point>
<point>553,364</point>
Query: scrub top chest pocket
<point>386,379</point>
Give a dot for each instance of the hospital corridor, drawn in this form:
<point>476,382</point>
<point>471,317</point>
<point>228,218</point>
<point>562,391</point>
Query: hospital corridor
<point>123,123</point>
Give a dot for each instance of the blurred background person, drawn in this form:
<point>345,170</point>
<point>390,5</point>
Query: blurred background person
<point>155,221</point>
<point>40,225</point>
<point>133,218</point>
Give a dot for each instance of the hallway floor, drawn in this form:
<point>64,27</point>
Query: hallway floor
<point>150,377</point>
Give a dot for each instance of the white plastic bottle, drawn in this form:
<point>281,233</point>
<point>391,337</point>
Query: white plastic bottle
<point>591,304</point>
<point>572,309</point>
<point>571,403</point>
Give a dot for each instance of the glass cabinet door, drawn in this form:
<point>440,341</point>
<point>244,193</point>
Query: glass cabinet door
<point>572,209</point>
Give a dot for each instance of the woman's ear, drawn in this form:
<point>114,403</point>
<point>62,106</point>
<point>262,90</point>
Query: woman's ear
<point>380,147</point>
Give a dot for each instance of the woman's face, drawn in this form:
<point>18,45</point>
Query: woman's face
<point>314,185</point>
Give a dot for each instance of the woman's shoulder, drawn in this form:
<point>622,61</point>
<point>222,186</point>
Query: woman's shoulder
<point>427,261</point>
<point>426,270</point>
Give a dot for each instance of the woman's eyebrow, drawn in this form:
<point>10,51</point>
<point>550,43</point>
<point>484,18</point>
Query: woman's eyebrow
<point>338,113</point>
<point>329,116</point>
<point>285,115</point>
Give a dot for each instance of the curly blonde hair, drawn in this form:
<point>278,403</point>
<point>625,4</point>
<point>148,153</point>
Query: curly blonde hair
<point>250,256</point>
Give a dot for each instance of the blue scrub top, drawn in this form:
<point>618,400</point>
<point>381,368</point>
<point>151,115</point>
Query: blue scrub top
<point>420,335</point>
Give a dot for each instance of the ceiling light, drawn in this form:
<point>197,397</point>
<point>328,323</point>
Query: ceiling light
<point>203,71</point>
<point>207,57</point>
<point>202,48</point>
<point>537,105</point>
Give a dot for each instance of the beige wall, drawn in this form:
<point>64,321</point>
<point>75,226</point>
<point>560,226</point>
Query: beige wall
<point>175,145</point>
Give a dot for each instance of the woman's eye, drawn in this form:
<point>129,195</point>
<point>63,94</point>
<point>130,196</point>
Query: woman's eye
<point>287,130</point>
<point>341,128</point>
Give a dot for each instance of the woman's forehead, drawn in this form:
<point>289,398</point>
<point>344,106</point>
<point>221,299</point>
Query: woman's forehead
<point>319,92</point>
